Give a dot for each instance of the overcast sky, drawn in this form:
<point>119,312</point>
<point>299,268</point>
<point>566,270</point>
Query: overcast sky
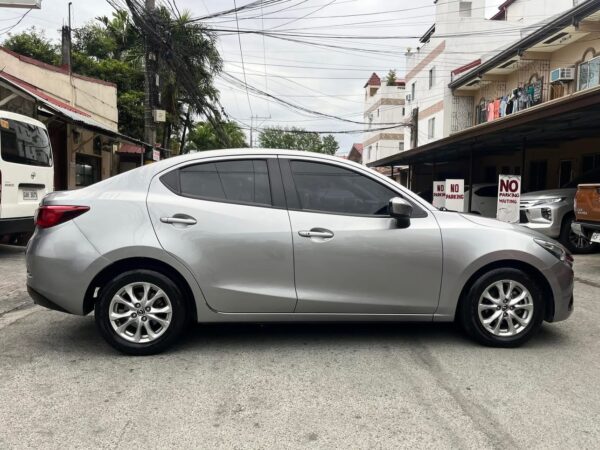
<point>328,80</point>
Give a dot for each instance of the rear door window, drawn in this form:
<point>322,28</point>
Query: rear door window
<point>24,143</point>
<point>239,181</point>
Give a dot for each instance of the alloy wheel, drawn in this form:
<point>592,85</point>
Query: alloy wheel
<point>140,312</point>
<point>505,308</point>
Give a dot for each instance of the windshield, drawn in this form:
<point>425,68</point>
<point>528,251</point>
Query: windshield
<point>24,143</point>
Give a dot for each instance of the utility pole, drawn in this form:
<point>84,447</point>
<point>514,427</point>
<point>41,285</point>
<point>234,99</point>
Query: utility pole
<point>263,118</point>
<point>150,81</point>
<point>66,43</point>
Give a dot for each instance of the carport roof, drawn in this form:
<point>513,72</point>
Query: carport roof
<point>567,118</point>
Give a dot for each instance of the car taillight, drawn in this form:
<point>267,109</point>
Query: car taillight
<point>51,215</point>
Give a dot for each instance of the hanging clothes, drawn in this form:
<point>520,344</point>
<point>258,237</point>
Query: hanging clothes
<point>490,111</point>
<point>503,104</point>
<point>496,108</point>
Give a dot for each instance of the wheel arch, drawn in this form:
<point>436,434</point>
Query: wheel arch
<point>127,264</point>
<point>530,270</point>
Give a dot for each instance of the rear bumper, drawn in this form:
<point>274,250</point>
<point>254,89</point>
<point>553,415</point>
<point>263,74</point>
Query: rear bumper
<point>584,228</point>
<point>17,225</point>
<point>39,299</point>
<point>61,264</point>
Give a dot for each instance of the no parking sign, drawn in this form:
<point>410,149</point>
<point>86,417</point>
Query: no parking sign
<point>509,198</point>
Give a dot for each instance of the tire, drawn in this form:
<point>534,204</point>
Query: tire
<point>161,319</point>
<point>577,245</point>
<point>530,310</point>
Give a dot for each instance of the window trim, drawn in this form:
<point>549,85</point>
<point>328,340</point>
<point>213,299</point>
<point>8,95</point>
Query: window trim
<point>275,185</point>
<point>293,201</point>
<point>431,128</point>
<point>579,65</point>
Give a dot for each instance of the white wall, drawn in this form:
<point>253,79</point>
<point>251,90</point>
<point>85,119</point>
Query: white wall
<point>382,147</point>
<point>98,99</point>
<point>532,11</point>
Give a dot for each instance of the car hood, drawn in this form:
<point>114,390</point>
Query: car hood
<point>498,224</point>
<point>550,193</point>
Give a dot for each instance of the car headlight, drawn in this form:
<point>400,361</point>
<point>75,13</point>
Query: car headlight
<point>557,250</point>
<point>548,201</point>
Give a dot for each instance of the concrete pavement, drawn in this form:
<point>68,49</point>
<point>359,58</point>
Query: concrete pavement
<point>290,386</point>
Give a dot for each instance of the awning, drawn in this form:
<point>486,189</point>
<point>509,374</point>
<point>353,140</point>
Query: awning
<point>567,118</point>
<point>56,106</point>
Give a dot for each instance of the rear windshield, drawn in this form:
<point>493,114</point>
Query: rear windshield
<point>24,143</point>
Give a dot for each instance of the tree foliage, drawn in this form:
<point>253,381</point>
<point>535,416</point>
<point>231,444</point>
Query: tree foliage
<point>204,137</point>
<point>35,44</point>
<point>390,79</point>
<point>297,139</point>
<point>112,49</point>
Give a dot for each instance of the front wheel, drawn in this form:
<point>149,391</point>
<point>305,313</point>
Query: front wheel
<point>503,308</point>
<point>140,312</point>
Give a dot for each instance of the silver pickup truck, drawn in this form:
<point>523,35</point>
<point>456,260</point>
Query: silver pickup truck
<point>551,212</point>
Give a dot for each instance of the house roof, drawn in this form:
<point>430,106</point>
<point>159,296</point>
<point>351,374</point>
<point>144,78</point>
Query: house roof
<point>60,108</point>
<point>571,16</point>
<point>46,66</point>
<point>501,14</point>
<point>357,147</point>
<point>466,67</point>
<point>374,80</point>
<point>44,97</point>
<point>427,36</point>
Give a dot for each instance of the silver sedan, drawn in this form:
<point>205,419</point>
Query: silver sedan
<point>277,235</point>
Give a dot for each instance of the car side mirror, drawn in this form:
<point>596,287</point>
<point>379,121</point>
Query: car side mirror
<point>400,210</point>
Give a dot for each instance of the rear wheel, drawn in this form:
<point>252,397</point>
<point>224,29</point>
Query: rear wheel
<point>574,242</point>
<point>140,312</point>
<point>503,308</point>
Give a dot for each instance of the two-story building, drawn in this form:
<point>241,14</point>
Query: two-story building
<point>531,108</point>
<point>80,113</point>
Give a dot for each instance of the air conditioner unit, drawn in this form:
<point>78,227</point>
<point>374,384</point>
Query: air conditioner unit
<point>408,98</point>
<point>562,74</point>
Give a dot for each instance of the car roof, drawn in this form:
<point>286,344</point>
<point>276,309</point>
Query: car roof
<point>250,152</point>
<point>20,117</point>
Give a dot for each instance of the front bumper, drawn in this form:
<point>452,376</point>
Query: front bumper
<point>561,279</point>
<point>533,218</point>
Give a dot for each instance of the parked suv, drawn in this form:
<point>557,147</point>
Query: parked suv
<point>551,212</point>
<point>587,212</point>
<point>275,235</point>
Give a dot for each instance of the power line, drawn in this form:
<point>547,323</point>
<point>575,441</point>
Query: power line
<point>242,54</point>
<point>304,16</point>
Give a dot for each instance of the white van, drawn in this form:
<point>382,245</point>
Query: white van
<point>26,171</point>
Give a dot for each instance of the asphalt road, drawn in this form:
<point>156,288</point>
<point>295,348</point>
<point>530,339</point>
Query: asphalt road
<point>290,386</point>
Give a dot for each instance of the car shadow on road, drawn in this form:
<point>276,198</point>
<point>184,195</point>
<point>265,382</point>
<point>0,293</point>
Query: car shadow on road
<point>79,335</point>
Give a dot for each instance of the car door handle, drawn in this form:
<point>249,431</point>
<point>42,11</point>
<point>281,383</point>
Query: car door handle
<point>316,232</point>
<point>181,220</point>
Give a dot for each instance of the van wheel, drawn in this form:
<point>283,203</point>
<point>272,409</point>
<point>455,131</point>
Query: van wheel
<point>503,308</point>
<point>575,243</point>
<point>140,312</point>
